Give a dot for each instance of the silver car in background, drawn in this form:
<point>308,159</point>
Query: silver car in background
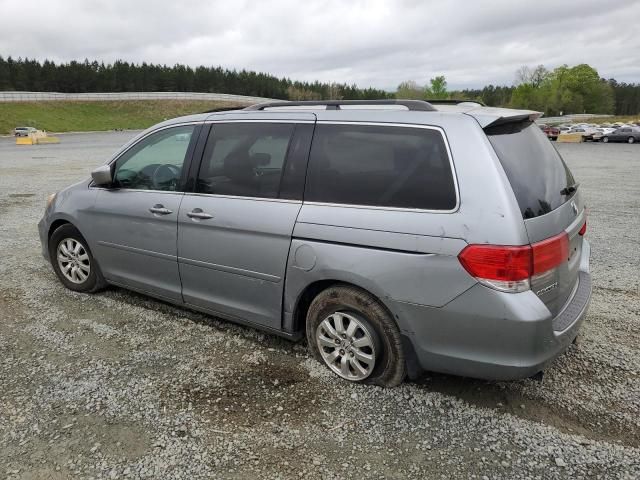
<point>397,236</point>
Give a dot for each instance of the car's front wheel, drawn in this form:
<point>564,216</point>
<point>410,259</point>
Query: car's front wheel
<point>354,335</point>
<point>605,139</point>
<point>72,260</point>
<point>631,140</point>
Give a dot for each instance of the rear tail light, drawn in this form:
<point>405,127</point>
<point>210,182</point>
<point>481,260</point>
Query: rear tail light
<point>509,268</point>
<point>583,230</point>
<point>550,253</point>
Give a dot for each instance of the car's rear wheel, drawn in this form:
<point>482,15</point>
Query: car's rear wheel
<point>72,260</point>
<point>631,140</point>
<point>353,334</point>
<point>605,139</point>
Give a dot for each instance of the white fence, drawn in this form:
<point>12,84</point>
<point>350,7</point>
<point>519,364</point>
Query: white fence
<point>570,118</point>
<point>53,96</point>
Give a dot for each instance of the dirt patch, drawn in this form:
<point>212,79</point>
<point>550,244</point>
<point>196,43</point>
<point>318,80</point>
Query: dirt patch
<point>505,398</point>
<point>253,395</point>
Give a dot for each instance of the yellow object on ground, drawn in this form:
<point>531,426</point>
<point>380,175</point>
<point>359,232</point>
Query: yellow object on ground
<point>570,138</point>
<point>24,141</point>
<point>36,138</point>
<point>47,140</point>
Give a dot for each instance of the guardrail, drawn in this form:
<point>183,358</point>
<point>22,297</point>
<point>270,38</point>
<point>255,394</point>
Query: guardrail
<point>11,96</point>
<point>570,118</point>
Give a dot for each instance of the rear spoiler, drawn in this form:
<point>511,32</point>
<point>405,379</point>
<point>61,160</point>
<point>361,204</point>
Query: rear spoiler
<point>489,116</point>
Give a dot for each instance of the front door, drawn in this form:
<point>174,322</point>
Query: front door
<point>234,231</point>
<point>136,221</point>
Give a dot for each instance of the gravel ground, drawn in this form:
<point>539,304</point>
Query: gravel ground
<point>117,385</point>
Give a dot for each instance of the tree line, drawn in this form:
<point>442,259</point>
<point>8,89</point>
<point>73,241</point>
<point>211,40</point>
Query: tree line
<point>564,90</point>
<point>120,76</point>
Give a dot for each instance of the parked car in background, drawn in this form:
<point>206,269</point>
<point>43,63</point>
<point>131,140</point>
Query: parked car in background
<point>600,132</point>
<point>624,134</point>
<point>586,132</point>
<point>23,131</point>
<point>397,237</point>
<point>551,132</point>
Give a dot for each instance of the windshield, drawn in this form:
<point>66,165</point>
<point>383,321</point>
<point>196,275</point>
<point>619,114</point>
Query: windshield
<point>537,173</point>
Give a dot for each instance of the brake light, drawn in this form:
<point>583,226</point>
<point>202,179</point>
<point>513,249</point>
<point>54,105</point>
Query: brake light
<point>550,253</point>
<point>509,268</point>
<point>583,230</point>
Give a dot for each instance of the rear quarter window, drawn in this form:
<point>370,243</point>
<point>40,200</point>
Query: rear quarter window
<point>385,166</point>
<point>533,166</point>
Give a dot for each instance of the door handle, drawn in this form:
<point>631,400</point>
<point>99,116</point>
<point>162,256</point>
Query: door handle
<point>159,209</point>
<point>199,214</point>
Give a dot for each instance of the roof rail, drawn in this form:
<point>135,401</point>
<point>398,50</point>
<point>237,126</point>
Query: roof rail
<point>417,105</point>
<point>449,101</point>
<point>223,109</point>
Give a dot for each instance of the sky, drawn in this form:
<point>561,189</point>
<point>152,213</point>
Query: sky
<point>370,43</point>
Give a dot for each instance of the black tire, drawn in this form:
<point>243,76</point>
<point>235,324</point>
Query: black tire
<point>605,139</point>
<point>94,280</point>
<point>631,140</point>
<point>389,368</point>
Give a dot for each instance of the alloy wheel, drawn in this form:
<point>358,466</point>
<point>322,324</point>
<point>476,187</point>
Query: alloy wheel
<point>73,260</point>
<point>347,346</point>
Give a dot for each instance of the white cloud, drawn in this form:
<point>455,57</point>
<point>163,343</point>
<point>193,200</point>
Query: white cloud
<point>371,43</point>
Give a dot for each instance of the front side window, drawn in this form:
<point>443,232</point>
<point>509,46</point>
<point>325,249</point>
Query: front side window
<point>154,163</point>
<point>382,166</point>
<point>244,159</point>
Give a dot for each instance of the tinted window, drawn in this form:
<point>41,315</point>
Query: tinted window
<point>535,169</point>
<point>154,163</point>
<point>244,159</point>
<point>382,166</point>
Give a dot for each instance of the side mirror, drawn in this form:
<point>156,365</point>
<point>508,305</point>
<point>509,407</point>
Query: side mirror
<point>102,176</point>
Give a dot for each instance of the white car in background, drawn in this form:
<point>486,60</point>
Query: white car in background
<point>23,131</point>
<point>602,131</point>
<point>587,132</point>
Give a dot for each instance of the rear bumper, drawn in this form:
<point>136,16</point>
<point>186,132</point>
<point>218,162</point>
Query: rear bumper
<point>493,335</point>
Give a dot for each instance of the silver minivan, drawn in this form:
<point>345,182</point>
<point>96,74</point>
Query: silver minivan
<point>397,235</point>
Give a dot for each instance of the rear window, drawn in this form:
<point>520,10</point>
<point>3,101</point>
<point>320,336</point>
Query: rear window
<point>380,166</point>
<point>535,169</point>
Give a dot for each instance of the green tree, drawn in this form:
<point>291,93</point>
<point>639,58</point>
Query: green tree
<point>577,89</point>
<point>437,88</point>
<point>410,90</point>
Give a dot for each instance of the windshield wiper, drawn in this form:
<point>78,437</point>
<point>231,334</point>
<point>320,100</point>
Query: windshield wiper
<point>569,189</point>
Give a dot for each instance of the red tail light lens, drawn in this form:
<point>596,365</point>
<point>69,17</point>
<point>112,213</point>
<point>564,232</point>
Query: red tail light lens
<point>583,230</point>
<point>494,262</point>
<point>509,268</point>
<point>550,253</point>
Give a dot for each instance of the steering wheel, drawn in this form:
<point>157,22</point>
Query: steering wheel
<point>165,177</point>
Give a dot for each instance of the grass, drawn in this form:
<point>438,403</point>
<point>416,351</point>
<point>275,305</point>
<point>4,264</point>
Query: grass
<point>615,119</point>
<point>76,116</point>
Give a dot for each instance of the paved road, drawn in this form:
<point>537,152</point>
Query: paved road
<point>118,385</point>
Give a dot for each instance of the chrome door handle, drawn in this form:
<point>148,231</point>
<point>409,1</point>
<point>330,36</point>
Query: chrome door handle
<point>159,209</point>
<point>199,214</point>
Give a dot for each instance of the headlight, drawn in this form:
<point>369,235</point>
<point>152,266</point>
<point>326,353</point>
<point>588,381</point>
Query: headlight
<point>50,199</point>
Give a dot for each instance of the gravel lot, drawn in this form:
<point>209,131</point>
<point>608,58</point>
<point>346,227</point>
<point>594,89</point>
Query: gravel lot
<point>116,385</point>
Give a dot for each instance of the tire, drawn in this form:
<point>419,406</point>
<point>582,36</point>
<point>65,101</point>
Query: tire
<point>375,335</point>
<point>67,247</point>
<point>631,140</point>
<point>605,139</point>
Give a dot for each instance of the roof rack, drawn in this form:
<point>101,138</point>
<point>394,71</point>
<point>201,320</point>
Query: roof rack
<point>417,105</point>
<point>449,101</point>
<point>223,109</point>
